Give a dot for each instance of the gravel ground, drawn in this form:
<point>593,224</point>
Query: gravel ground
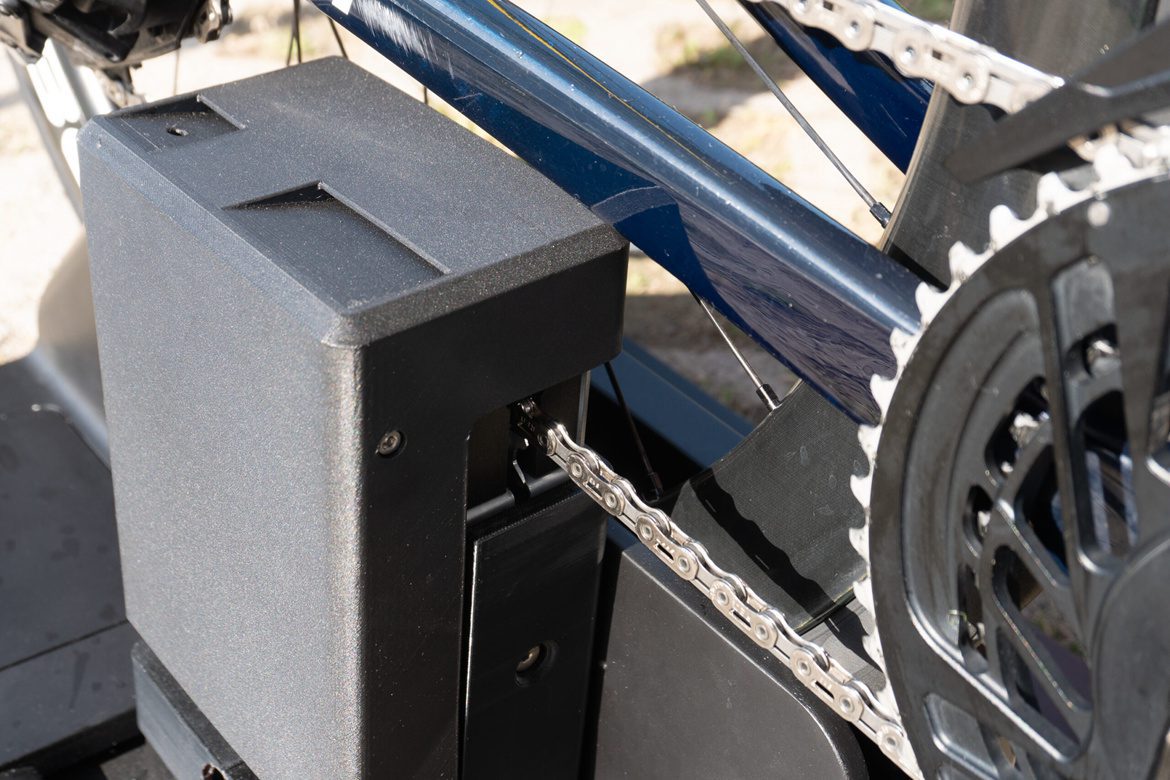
<point>667,45</point>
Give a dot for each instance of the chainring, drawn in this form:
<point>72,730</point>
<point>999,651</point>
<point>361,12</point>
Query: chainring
<point>1019,534</point>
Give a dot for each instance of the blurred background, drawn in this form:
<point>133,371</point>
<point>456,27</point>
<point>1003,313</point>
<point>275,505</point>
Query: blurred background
<point>668,46</point>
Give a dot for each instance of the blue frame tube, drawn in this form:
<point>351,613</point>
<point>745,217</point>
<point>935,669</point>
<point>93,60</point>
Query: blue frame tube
<point>815,295</point>
<point>885,105</point>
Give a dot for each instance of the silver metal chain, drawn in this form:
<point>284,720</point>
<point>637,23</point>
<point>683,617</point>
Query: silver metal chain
<point>744,608</point>
<point>972,73</point>
<point>969,71</point>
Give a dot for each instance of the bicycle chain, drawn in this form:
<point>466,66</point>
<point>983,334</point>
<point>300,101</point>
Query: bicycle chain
<point>969,71</point>
<point>744,608</point>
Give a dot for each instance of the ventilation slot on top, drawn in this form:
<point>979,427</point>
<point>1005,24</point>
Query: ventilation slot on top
<point>177,122</point>
<point>314,234</point>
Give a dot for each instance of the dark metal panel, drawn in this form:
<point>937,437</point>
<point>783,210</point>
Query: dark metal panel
<point>714,705</point>
<point>818,297</point>
<point>533,604</point>
<point>884,104</point>
<point>777,509</point>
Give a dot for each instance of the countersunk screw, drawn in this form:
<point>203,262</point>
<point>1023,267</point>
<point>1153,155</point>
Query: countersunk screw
<point>391,443</point>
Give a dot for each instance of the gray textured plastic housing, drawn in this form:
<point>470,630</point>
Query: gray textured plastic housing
<point>285,269</point>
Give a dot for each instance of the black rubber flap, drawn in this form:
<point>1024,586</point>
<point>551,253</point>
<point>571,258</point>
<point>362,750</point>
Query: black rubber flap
<point>777,509</point>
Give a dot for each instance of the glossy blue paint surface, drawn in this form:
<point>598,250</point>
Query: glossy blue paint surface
<point>815,295</point>
<point>885,105</point>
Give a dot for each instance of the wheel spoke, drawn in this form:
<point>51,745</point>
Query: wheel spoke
<point>876,209</point>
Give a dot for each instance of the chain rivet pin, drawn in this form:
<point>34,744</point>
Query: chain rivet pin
<point>686,563</point>
<point>802,665</point>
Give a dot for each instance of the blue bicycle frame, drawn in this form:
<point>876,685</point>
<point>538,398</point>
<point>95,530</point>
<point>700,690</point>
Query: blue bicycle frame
<point>815,295</point>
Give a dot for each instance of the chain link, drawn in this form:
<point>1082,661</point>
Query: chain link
<point>688,559</point>
<point>969,71</point>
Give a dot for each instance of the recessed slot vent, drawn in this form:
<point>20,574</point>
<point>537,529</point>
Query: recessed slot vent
<point>178,122</point>
<point>331,249</point>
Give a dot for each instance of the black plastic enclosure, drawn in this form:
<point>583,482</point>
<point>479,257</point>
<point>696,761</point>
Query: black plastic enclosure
<point>309,288</point>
